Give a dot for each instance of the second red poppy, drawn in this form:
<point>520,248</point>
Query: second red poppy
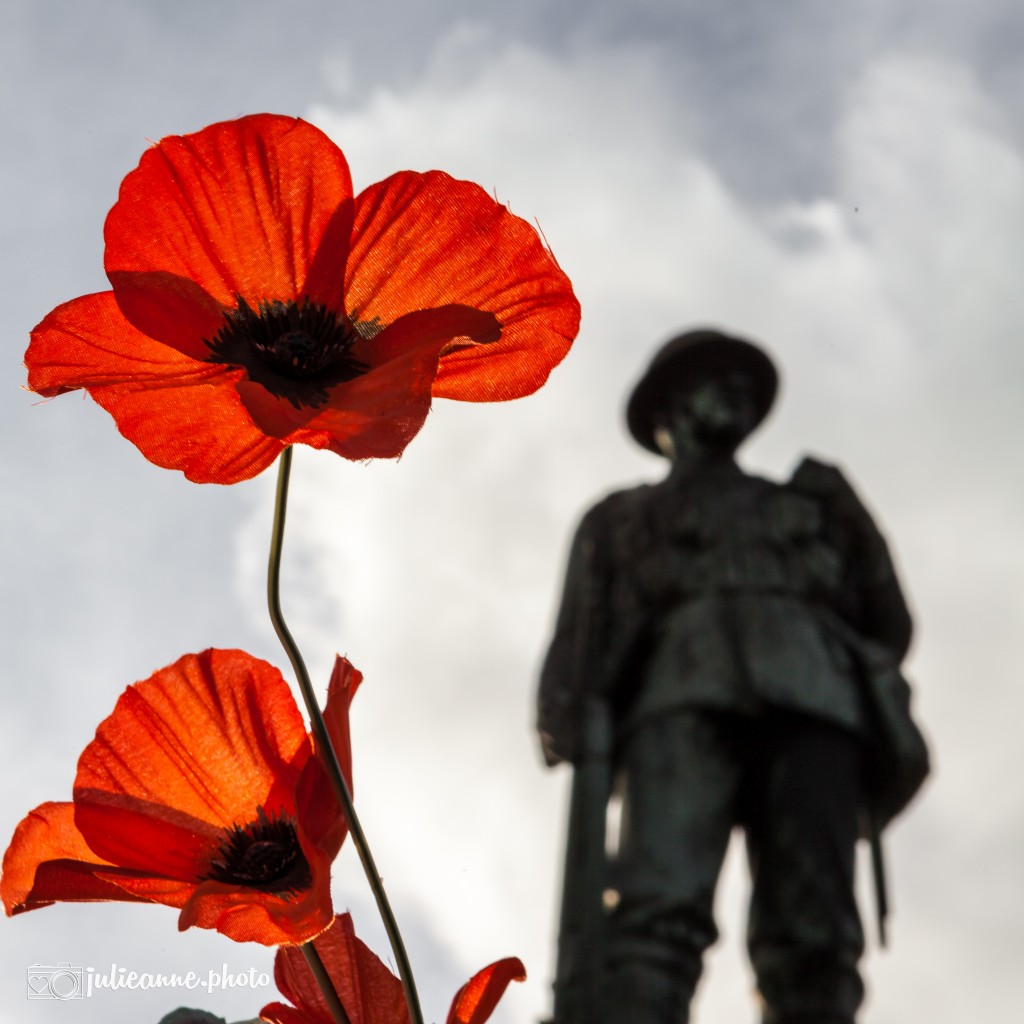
<point>201,791</point>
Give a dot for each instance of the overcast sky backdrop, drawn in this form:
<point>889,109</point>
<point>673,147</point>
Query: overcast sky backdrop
<point>844,182</point>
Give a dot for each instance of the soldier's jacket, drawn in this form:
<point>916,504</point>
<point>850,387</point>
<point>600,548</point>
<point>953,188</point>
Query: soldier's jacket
<point>722,590</point>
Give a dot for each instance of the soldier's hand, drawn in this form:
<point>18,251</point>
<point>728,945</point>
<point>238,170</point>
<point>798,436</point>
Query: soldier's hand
<point>557,749</point>
<point>559,726</point>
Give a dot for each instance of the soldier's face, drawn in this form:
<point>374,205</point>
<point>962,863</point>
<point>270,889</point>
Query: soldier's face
<point>717,411</point>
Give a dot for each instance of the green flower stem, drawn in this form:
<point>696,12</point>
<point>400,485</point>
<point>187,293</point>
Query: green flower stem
<point>324,746</point>
<point>323,979</point>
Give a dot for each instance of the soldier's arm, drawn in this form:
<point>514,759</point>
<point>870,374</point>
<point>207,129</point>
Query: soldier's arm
<point>562,677</point>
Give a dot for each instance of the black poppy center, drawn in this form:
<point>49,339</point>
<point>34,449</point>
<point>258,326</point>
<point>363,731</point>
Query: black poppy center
<point>265,855</point>
<point>296,350</point>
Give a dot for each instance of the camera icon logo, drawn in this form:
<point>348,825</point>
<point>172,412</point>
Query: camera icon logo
<point>60,982</point>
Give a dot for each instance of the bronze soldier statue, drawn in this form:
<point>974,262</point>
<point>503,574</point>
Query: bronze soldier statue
<point>726,654</point>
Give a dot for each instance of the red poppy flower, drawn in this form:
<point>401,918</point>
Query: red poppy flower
<point>258,303</point>
<point>201,791</point>
<point>369,992</point>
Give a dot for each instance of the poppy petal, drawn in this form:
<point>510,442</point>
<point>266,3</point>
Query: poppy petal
<point>475,1001</point>
<point>87,343</point>
<point>368,990</point>
<point>240,208</point>
<point>317,806</point>
<point>146,836</point>
<point>278,1013</point>
<point>180,413</point>
<point>171,309</point>
<point>157,767</point>
<point>202,429</point>
<point>345,681</point>
<point>48,861</point>
<point>425,240</point>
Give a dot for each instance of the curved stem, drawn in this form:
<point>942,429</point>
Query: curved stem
<point>323,979</point>
<point>324,745</point>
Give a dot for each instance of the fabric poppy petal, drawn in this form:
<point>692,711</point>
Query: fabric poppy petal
<point>368,990</point>
<point>149,838</point>
<point>475,1001</point>
<point>87,343</point>
<point>159,760</point>
<point>200,429</point>
<point>278,1013</point>
<point>170,309</point>
<point>345,681</point>
<point>49,861</point>
<point>137,885</point>
<point>316,803</point>
<point>181,413</point>
<point>239,208</point>
<point>428,240</point>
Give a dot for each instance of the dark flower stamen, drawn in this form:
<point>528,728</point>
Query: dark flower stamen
<point>265,855</point>
<point>296,350</point>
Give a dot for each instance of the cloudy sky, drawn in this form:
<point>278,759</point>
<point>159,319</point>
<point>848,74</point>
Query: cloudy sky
<point>844,182</point>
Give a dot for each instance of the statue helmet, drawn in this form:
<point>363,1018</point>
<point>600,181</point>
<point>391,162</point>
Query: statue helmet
<point>686,358</point>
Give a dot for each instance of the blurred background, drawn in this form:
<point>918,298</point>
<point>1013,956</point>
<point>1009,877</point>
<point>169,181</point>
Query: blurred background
<point>843,182</point>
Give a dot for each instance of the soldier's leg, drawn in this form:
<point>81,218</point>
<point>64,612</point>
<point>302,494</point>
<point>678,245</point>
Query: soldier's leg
<point>682,780</point>
<point>805,936</point>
